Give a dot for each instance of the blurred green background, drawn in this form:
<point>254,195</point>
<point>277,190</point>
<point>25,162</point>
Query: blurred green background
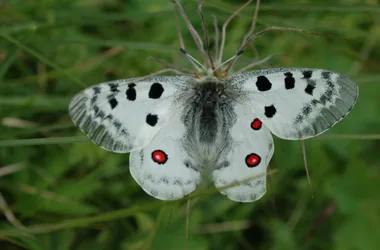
<point>61,192</point>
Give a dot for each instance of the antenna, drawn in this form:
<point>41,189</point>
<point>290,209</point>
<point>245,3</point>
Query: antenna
<point>232,58</point>
<point>192,30</point>
<point>251,30</point>
<point>181,42</point>
<point>192,58</point>
<point>216,36</point>
<point>205,34</point>
<point>224,27</point>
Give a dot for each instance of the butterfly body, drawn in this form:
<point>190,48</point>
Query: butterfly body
<point>179,129</point>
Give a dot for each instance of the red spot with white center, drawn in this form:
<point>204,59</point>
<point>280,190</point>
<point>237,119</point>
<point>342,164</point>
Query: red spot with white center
<point>256,124</point>
<point>252,160</point>
<point>159,156</point>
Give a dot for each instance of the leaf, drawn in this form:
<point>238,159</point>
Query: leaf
<point>282,236</point>
<point>357,198</point>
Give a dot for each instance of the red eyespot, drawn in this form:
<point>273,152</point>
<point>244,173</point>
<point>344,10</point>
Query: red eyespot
<point>252,160</point>
<point>159,156</point>
<point>256,124</point>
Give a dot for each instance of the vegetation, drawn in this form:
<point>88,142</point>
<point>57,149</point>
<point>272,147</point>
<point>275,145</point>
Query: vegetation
<point>66,193</point>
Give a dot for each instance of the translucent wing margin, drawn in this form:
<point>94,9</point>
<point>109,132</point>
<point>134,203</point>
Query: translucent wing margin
<point>297,103</point>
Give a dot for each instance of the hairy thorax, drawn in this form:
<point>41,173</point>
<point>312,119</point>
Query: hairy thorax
<point>208,116</point>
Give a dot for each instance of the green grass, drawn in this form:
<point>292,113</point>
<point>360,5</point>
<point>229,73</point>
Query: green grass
<point>67,193</point>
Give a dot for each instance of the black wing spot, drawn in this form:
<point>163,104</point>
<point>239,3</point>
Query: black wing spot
<point>187,164</point>
<point>307,74</point>
<point>131,92</point>
<point>156,90</point>
<point>323,99</point>
<point>113,102</point>
<point>306,110</point>
<point>309,89</point>
<point>151,119</point>
<point>117,124</point>
<point>263,84</point>
<point>96,90</point>
<point>299,119</point>
<point>330,85</point>
<point>109,117</point>
<point>326,97</point>
<point>113,87</point>
<point>270,111</point>
<point>314,102</point>
<point>289,80</point>
<point>96,109</point>
<point>141,157</point>
<point>165,180</point>
<point>329,93</point>
<point>94,99</point>
<point>326,75</point>
<point>177,182</point>
<point>100,114</point>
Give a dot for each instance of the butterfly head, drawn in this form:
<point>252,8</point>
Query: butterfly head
<point>211,71</point>
<point>211,76</point>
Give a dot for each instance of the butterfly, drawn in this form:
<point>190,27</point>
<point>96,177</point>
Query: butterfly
<point>181,129</point>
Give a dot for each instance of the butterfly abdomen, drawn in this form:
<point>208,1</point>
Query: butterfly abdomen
<point>208,115</point>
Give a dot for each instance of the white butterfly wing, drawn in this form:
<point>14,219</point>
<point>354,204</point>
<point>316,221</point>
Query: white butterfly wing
<point>163,168</point>
<point>297,103</point>
<point>248,157</point>
<point>122,116</point>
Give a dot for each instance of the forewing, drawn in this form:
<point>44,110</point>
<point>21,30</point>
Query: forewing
<point>163,168</point>
<point>297,103</point>
<point>248,157</point>
<point>122,115</point>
